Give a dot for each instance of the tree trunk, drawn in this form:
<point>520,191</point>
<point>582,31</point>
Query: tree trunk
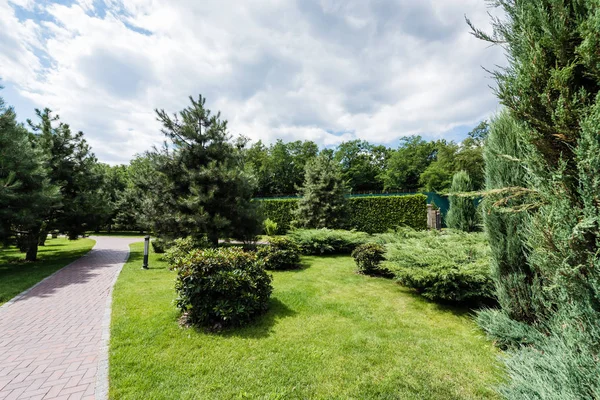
<point>43,237</point>
<point>213,237</point>
<point>32,238</point>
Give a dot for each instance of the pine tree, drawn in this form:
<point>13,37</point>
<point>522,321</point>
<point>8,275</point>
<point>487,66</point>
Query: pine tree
<point>206,190</point>
<point>463,213</point>
<point>25,191</point>
<point>323,202</point>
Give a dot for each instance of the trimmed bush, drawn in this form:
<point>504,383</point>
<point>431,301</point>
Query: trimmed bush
<point>279,254</point>
<point>368,258</point>
<point>221,287</point>
<point>179,248</point>
<point>376,214</point>
<point>280,211</point>
<point>327,241</point>
<point>372,214</point>
<point>270,227</point>
<point>450,266</point>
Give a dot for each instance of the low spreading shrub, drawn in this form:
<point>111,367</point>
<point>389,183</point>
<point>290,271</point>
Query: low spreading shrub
<point>270,227</point>
<point>327,241</point>
<point>279,254</point>
<point>159,245</point>
<point>179,248</point>
<point>221,287</point>
<point>448,266</point>
<point>368,258</point>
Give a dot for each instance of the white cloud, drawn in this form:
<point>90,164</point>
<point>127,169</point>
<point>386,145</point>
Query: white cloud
<point>275,68</point>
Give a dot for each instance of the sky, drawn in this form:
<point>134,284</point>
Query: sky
<point>321,70</point>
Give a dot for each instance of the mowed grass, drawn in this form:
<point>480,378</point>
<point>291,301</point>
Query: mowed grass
<point>17,275</point>
<point>330,334</point>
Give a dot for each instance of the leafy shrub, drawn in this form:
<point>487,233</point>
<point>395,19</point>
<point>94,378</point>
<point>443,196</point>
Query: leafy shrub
<point>327,241</point>
<point>368,258</point>
<point>372,214</point>
<point>159,245</point>
<point>270,227</point>
<point>463,212</point>
<point>221,287</point>
<point>179,248</point>
<point>279,254</point>
<point>280,211</point>
<point>449,266</point>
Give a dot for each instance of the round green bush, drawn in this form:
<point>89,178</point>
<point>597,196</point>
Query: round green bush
<point>221,287</point>
<point>179,248</point>
<point>368,258</point>
<point>159,245</point>
<point>279,254</point>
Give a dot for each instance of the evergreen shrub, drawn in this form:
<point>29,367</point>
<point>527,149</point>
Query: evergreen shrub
<point>280,254</point>
<point>368,258</point>
<point>448,266</point>
<point>159,245</point>
<point>327,241</point>
<point>221,287</point>
<point>179,248</point>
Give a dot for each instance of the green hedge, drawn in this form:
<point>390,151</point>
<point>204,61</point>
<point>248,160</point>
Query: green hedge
<point>280,211</point>
<point>372,214</point>
<point>376,214</point>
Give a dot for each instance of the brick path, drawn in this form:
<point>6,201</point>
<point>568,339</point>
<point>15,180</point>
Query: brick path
<point>53,338</point>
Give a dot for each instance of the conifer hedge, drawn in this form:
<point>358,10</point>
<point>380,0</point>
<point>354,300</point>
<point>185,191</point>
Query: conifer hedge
<point>372,214</point>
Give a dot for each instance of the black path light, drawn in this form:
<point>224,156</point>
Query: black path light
<point>146,250</point>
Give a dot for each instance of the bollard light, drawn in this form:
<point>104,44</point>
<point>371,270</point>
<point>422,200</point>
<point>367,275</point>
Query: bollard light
<point>146,250</point>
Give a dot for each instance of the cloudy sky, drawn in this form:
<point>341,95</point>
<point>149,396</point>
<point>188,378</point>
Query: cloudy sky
<point>323,70</point>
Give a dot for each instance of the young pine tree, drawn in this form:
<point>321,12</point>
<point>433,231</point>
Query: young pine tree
<point>463,213</point>
<point>323,202</point>
<point>206,190</point>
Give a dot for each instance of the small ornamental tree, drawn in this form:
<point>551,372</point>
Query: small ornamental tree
<point>463,213</point>
<point>323,202</point>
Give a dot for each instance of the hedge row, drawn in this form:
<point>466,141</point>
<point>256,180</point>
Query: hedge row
<point>372,214</point>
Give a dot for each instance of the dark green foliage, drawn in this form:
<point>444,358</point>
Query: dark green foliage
<point>159,245</point>
<point>25,189</point>
<point>463,213</point>
<point>280,254</point>
<point>221,287</point>
<point>327,241</point>
<point>323,202</point>
<point>370,214</point>
<point>181,247</point>
<point>505,224</point>
<point>449,266</point>
<point>279,211</point>
<point>375,214</point>
<point>368,258</point>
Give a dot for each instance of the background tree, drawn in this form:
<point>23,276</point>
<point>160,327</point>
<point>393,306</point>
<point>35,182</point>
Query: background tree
<point>407,163</point>
<point>362,164</point>
<point>463,213</point>
<point>210,191</point>
<point>323,199</point>
<point>437,177</point>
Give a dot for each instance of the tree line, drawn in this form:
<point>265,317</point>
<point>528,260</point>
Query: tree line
<point>50,180</point>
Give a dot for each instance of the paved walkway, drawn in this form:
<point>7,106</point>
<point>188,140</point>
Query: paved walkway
<point>53,338</point>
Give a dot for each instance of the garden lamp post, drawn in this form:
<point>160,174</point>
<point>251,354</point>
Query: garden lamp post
<point>146,250</point>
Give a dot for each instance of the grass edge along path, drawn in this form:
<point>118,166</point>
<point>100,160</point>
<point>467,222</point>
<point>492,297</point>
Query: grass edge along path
<point>330,334</point>
<point>17,275</point>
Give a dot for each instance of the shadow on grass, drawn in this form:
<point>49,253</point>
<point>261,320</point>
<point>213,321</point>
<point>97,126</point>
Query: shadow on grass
<point>261,327</point>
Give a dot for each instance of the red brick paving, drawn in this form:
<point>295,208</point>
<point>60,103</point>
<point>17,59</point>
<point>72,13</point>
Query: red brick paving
<point>51,338</point>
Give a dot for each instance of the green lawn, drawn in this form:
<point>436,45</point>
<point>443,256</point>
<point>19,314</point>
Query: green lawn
<point>16,275</point>
<point>330,334</point>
